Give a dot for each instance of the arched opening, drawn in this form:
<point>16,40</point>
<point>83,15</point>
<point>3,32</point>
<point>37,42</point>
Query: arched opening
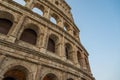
<point>57,3</point>
<point>29,36</point>
<point>50,77</point>
<point>68,52</point>
<point>51,45</point>
<point>22,2</point>
<point>5,25</point>
<point>66,27</point>
<point>53,20</point>
<point>15,73</point>
<point>38,11</point>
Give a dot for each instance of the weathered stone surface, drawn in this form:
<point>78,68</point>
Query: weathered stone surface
<point>35,61</point>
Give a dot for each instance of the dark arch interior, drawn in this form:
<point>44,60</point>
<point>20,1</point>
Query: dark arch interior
<point>70,79</point>
<point>79,57</point>
<point>9,78</point>
<point>66,52</point>
<point>51,45</point>
<point>15,74</point>
<point>50,77</point>
<point>29,36</point>
<point>5,26</point>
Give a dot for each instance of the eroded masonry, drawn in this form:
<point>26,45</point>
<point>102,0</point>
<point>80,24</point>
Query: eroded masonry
<point>39,41</point>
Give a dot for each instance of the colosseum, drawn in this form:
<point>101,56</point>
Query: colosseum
<point>40,41</point>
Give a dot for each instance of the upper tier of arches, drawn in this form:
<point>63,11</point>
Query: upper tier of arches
<point>57,15</point>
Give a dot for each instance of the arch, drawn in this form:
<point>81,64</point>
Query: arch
<point>6,22</point>
<point>6,15</point>
<point>29,35</point>
<point>54,18</point>
<point>17,72</point>
<point>33,27</point>
<point>52,42</point>
<point>51,45</point>
<point>22,2</point>
<point>5,26</point>
<point>66,27</point>
<point>50,76</point>
<point>57,3</point>
<point>39,9</point>
<point>68,51</point>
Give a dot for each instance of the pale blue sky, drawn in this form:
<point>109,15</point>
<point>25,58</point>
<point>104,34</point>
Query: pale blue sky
<point>99,24</point>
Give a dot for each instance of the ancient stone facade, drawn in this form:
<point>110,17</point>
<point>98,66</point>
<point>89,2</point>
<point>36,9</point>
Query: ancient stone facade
<point>40,46</point>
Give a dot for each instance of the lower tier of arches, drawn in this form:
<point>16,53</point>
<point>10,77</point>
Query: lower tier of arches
<point>15,69</point>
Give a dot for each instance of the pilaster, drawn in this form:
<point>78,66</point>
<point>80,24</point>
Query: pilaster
<point>2,58</point>
<point>62,48</point>
<point>47,13</point>
<point>83,60</point>
<point>60,23</point>
<point>75,57</point>
<point>43,40</point>
<point>70,31</point>
<point>29,4</point>
<point>88,65</point>
<point>16,28</point>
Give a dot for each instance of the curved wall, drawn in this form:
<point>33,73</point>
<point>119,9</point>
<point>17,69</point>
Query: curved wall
<point>30,37</point>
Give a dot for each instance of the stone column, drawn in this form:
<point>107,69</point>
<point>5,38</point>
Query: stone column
<point>88,65</point>
<point>40,39</point>
<point>57,47</point>
<point>29,3</point>
<point>47,13</point>
<point>75,57</point>
<point>16,28</point>
<point>43,40</point>
<point>2,58</point>
<point>62,48</point>
<point>70,31</point>
<point>61,23</point>
<point>83,61</point>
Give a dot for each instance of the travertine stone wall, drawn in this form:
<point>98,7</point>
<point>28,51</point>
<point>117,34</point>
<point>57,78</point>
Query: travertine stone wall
<point>36,60</point>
